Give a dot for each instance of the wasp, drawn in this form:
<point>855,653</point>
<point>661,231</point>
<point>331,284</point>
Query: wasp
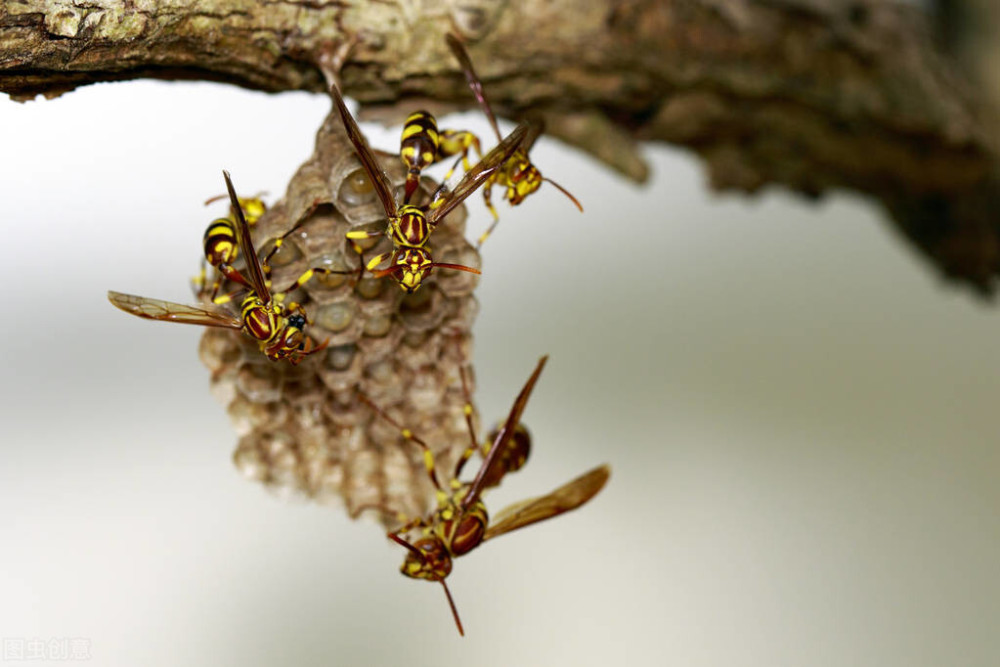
<point>278,328</point>
<point>219,243</point>
<point>409,226</point>
<point>460,523</point>
<point>518,175</point>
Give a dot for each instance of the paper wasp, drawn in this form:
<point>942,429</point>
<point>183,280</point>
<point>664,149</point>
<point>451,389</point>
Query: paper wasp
<point>460,522</point>
<point>518,175</point>
<point>220,246</point>
<point>409,226</point>
<point>278,328</point>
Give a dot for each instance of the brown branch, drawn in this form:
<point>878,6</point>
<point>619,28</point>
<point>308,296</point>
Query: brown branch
<point>810,94</point>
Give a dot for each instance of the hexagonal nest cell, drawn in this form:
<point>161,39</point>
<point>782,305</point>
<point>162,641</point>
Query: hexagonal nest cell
<point>302,428</point>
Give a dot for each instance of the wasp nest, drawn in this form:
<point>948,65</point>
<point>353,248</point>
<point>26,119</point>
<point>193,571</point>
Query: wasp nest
<point>302,429</point>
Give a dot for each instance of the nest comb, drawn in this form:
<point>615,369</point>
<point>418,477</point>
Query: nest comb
<point>302,430</point>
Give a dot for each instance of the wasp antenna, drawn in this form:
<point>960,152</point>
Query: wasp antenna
<point>457,267</point>
<point>320,347</point>
<point>565,192</point>
<point>382,273</point>
<point>454,610</point>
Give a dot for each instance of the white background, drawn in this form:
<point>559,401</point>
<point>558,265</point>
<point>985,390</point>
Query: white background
<point>800,419</point>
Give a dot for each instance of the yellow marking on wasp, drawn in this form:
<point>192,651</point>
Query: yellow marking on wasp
<point>428,460</point>
<point>467,409</point>
<point>410,130</point>
<point>362,234</point>
<point>305,277</point>
<point>407,433</point>
<point>375,261</point>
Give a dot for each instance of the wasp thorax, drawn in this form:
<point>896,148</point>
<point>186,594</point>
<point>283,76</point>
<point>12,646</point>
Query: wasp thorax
<point>411,227</point>
<point>433,562</point>
<point>465,532</point>
<point>258,321</point>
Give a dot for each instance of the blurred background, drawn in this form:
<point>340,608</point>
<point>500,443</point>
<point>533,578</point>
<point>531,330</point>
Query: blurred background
<point>800,418</point>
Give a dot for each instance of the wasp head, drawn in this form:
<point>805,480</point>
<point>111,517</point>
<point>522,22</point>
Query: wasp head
<point>410,266</point>
<point>430,560</point>
<point>523,178</point>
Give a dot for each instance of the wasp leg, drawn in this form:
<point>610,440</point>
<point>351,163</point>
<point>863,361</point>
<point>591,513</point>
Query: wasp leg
<point>363,235</point>
<point>278,242</point>
<point>200,281</point>
<point>377,259</point>
<point>459,141</point>
<point>467,411</point>
<point>496,217</point>
<point>227,298</point>
<point>411,437</point>
<point>311,273</point>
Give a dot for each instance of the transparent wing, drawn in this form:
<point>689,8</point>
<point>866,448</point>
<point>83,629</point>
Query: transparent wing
<point>155,309</point>
<point>380,180</point>
<point>476,176</point>
<point>246,245</point>
<point>565,498</point>
<point>474,83</point>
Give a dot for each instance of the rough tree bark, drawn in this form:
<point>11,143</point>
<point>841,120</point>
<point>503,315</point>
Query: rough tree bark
<point>809,94</point>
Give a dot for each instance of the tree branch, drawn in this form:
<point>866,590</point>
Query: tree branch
<point>810,94</point>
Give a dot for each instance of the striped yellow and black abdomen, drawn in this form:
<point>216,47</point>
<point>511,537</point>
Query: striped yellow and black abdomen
<point>410,229</point>
<point>220,242</point>
<point>418,148</point>
<point>419,145</point>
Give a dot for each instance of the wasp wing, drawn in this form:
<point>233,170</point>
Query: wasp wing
<point>474,83</point>
<point>245,243</point>
<point>567,497</point>
<point>380,180</point>
<point>155,309</point>
<point>503,436</point>
<point>478,175</point>
<point>535,128</point>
